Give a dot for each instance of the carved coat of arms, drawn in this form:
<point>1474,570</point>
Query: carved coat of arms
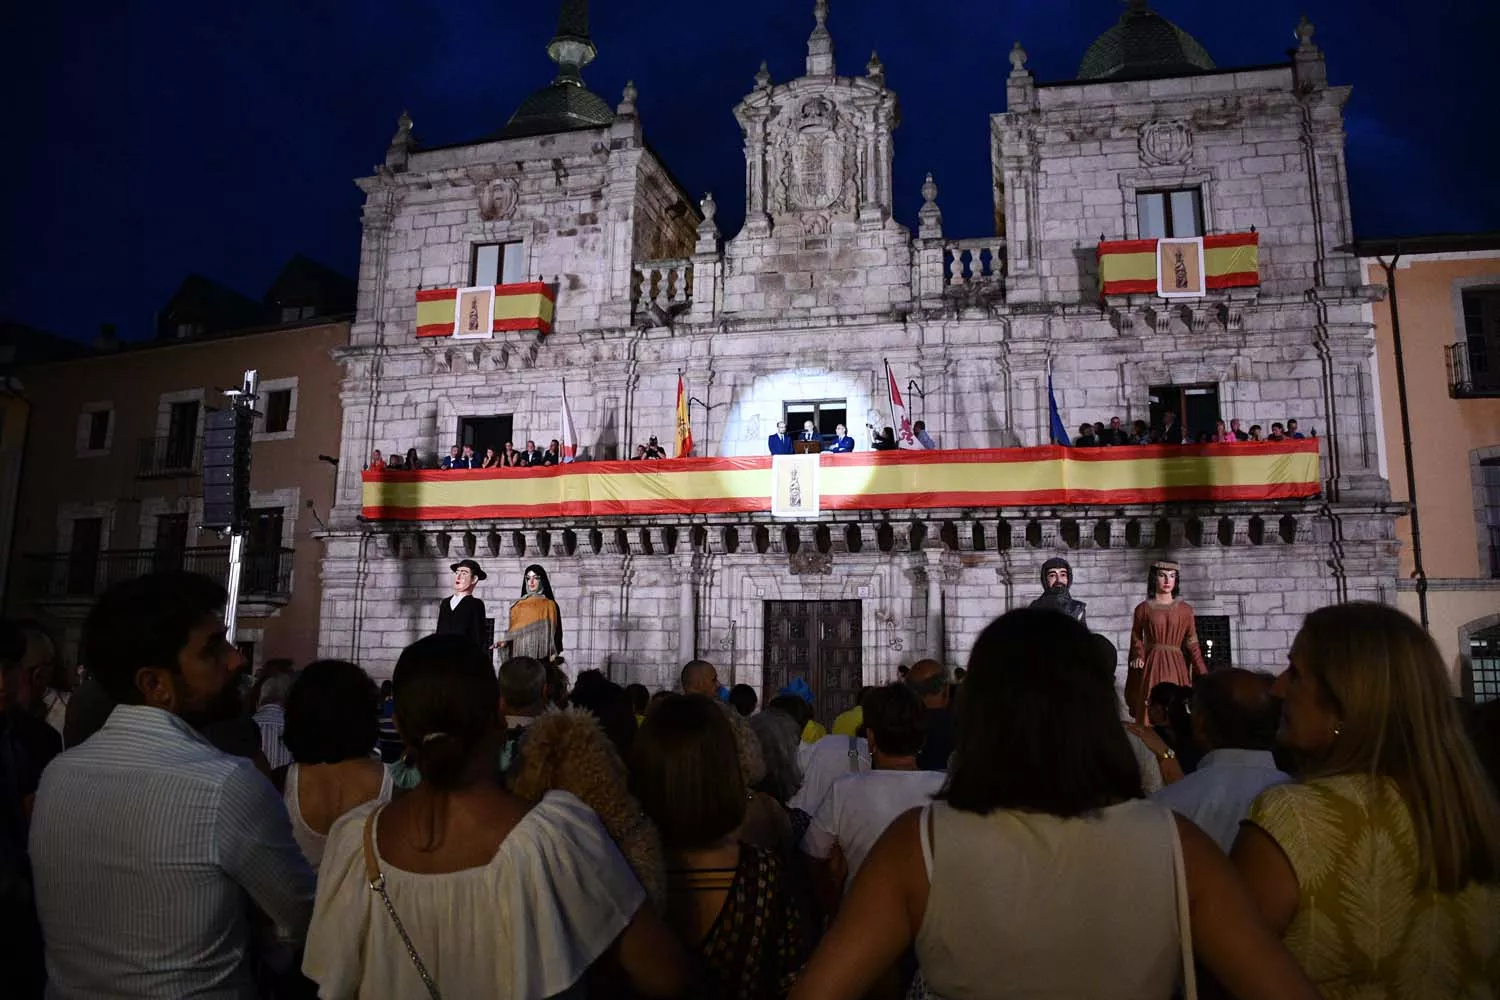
<point>1166,143</point>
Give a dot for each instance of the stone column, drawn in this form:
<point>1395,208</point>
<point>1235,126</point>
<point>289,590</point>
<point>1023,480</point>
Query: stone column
<point>935,643</point>
<point>687,611</point>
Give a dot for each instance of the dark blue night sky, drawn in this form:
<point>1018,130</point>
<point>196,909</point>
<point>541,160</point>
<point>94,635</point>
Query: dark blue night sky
<point>146,141</point>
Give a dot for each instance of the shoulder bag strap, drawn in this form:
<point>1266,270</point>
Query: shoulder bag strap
<point>1184,915</point>
<point>377,886</point>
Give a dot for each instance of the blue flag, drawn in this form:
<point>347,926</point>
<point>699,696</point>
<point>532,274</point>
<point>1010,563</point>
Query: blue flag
<point>1059,431</point>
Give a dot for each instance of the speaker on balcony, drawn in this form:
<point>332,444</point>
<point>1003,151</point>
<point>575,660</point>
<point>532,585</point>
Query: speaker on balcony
<point>226,468</point>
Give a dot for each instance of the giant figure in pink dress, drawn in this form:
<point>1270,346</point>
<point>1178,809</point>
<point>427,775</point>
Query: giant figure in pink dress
<point>1163,640</point>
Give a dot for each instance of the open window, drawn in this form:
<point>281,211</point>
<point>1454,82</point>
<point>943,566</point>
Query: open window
<point>480,433</point>
<point>825,414</point>
<point>1194,409</point>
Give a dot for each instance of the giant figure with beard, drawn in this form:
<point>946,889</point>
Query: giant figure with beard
<point>1057,578</point>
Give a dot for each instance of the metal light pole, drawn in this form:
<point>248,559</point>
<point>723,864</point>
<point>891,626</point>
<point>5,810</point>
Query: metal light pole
<point>241,399</point>
<point>1418,570</point>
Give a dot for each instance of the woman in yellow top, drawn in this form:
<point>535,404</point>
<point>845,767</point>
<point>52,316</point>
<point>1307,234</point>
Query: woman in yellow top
<point>535,625</point>
<point>1381,868</point>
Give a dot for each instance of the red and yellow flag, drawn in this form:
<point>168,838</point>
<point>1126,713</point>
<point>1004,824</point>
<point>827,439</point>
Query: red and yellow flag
<point>684,425</point>
<point>1128,267</point>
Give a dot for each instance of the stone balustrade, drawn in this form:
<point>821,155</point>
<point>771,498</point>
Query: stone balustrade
<point>660,290</point>
<point>974,262</point>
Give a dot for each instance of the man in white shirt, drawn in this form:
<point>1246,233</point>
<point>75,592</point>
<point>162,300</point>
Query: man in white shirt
<point>146,842</point>
<point>1234,720</point>
<point>858,807</point>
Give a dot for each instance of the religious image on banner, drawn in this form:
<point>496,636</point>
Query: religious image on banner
<point>900,419</point>
<point>794,486</point>
<point>1179,268</point>
<point>474,314</point>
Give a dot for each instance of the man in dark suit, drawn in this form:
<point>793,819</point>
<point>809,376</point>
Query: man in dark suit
<point>463,613</point>
<point>841,440</point>
<point>779,443</point>
<point>535,455</point>
<point>808,434</point>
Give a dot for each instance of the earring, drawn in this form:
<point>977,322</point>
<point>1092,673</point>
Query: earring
<point>1338,727</point>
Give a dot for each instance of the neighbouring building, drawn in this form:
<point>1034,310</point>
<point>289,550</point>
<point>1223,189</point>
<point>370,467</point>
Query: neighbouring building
<point>558,253</point>
<point>1446,293</point>
<point>111,483</point>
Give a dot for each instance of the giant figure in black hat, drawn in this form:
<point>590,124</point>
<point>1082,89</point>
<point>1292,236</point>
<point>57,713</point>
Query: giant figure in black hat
<point>1057,577</point>
<point>463,613</point>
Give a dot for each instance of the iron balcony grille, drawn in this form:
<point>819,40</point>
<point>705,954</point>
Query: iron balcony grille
<point>1471,376</point>
<point>265,574</point>
<point>165,457</point>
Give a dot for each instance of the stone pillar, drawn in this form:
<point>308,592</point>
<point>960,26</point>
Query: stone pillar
<point>687,611</point>
<point>935,643</point>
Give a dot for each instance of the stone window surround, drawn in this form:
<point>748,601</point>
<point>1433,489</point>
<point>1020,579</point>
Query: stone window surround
<point>1465,633</point>
<point>1166,178</point>
<point>1481,510</point>
<point>268,386</point>
<point>85,414</point>
<point>1458,287</point>
<point>503,231</point>
<point>70,512</point>
<point>154,507</point>
<point>164,409</point>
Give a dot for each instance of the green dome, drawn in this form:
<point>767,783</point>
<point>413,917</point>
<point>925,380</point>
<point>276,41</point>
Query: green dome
<point>561,106</point>
<point>1142,46</point>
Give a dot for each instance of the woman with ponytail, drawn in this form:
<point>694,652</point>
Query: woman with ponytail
<point>460,888</point>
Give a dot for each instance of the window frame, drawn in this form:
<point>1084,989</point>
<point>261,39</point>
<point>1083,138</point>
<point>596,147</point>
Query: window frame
<point>83,442</point>
<point>263,408</point>
<point>500,263</point>
<point>1169,230</point>
<point>817,406</point>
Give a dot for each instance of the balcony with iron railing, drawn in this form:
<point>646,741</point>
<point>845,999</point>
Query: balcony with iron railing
<point>169,457</point>
<point>1471,374</point>
<point>265,576</point>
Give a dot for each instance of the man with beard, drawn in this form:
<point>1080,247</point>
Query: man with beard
<point>146,841</point>
<point>1057,577</point>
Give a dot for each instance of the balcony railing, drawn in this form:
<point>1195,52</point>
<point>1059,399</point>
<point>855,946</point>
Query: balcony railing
<point>264,575</point>
<point>974,262</point>
<point>1466,380</point>
<point>662,288</point>
<point>166,457</point>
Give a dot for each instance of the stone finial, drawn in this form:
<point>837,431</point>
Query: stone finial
<point>1305,31</point>
<point>875,69</point>
<point>820,43</point>
<point>627,100</point>
<point>763,77</point>
<point>708,229</point>
<point>399,151</point>
<point>929,216</point>
<point>1017,58</point>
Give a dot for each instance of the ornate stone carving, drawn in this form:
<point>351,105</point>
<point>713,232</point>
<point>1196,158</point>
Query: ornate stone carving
<point>498,199</point>
<point>810,562</point>
<point>1166,143</point>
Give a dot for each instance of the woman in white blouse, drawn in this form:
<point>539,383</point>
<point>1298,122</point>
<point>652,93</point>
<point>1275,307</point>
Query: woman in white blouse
<point>332,724</point>
<point>477,893</point>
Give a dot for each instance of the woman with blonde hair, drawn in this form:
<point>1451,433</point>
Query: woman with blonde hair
<point>1381,868</point>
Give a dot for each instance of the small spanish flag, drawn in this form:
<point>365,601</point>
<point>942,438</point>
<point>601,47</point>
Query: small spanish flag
<point>684,425</point>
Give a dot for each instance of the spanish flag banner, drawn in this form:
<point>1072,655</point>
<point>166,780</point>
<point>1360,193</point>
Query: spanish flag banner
<point>887,480</point>
<point>1129,267</point>
<point>684,424</point>
<point>526,306</point>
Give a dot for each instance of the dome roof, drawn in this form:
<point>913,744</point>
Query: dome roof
<point>1142,46</point>
<point>561,106</point>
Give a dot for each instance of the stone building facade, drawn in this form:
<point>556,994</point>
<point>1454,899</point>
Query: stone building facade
<point>810,300</point>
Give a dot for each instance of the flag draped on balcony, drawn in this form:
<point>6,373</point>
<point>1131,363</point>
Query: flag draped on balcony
<point>684,424</point>
<point>1128,267</point>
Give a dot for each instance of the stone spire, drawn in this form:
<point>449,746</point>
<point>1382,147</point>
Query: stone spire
<point>399,151</point>
<point>820,43</point>
<point>930,216</point>
<point>572,48</point>
<point>1308,67</point>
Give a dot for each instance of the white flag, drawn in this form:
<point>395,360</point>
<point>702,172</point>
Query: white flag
<point>905,438</point>
<point>567,437</point>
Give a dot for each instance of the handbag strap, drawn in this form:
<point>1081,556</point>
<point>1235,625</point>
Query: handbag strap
<point>1184,914</point>
<point>377,885</point>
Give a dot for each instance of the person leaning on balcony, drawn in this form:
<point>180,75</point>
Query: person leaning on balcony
<point>1140,432</point>
<point>553,454</point>
<point>1234,428</point>
<point>1291,430</point>
<point>1171,430</point>
<point>842,442</point>
<point>1085,438</point>
<point>923,438</point>
<point>509,457</point>
<point>454,459</point>
<point>491,459</point>
<point>535,455</point>
<point>1278,433</point>
<point>1255,434</point>
<point>885,440</point>
<point>377,461</point>
<point>413,459</point>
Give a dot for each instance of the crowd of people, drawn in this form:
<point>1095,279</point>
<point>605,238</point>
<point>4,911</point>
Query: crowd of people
<point>1170,431</point>
<point>463,456</point>
<point>1000,832</point>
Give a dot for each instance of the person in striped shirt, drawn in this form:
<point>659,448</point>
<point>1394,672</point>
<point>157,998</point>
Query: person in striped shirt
<point>146,841</point>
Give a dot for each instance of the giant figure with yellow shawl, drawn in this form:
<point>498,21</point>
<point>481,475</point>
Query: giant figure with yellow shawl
<point>535,625</point>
